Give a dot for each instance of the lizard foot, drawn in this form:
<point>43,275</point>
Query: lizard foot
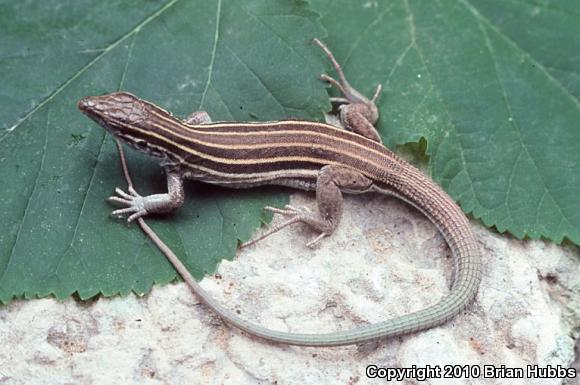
<point>357,113</point>
<point>135,204</point>
<point>295,215</point>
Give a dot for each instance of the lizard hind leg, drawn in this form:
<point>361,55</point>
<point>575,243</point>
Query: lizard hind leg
<point>331,180</point>
<point>357,112</point>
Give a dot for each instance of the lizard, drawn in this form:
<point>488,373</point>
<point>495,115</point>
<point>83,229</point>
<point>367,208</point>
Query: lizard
<point>306,155</point>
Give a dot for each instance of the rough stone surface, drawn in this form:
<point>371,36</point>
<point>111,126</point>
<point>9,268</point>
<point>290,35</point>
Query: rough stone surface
<point>384,260</point>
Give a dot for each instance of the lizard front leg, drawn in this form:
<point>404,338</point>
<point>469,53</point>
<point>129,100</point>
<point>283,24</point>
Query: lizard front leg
<point>198,117</point>
<point>357,113</point>
<point>138,206</point>
<point>331,181</point>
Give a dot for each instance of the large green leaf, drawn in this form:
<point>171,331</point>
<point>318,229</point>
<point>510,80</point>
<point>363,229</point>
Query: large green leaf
<point>239,60</point>
<point>493,86</point>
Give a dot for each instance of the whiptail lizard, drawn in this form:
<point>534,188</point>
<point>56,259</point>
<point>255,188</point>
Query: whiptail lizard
<point>300,154</point>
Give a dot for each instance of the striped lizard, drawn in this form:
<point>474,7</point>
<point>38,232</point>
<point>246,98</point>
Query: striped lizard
<point>303,155</point>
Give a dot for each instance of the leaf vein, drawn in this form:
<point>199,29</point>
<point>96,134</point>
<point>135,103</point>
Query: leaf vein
<point>29,199</point>
<point>411,21</point>
<point>213,53</point>
<point>126,68</point>
<point>223,102</point>
<point>84,68</point>
<point>364,32</point>
<point>80,212</point>
<point>255,76</point>
<point>516,126</point>
<point>525,54</point>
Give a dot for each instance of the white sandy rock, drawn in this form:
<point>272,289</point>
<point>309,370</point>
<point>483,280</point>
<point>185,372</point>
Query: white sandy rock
<point>384,260</point>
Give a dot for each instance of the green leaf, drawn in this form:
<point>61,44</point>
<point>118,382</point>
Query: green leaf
<point>239,60</point>
<point>493,87</point>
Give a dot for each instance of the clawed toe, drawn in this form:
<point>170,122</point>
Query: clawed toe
<point>120,201</point>
<point>315,241</point>
<point>288,210</point>
<point>122,212</point>
<point>122,193</point>
<point>327,78</point>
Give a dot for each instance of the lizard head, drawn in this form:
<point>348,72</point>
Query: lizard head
<point>126,117</point>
